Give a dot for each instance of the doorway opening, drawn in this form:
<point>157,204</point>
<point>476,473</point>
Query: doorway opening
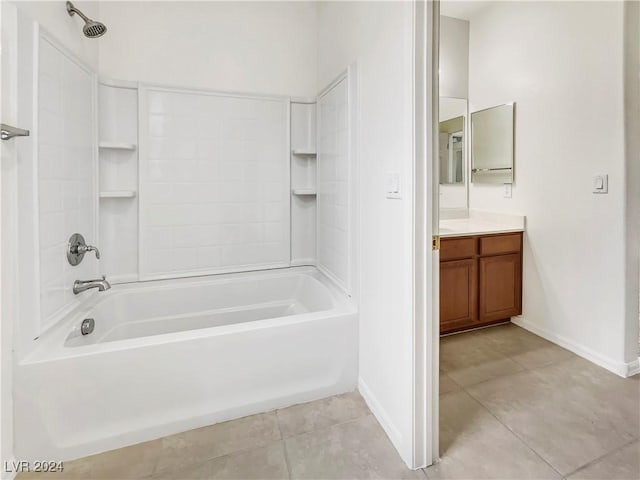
<point>526,362</point>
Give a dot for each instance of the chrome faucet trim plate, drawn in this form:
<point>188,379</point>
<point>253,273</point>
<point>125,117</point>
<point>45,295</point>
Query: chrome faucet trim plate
<point>77,247</point>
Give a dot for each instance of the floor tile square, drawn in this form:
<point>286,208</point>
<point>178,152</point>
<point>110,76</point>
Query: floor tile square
<point>561,422</point>
<point>321,413</point>
<point>447,384</point>
<point>623,464</point>
<point>355,450</point>
<point>470,360</point>
<point>261,463</point>
<point>524,347</point>
<point>196,446</point>
<point>474,444</point>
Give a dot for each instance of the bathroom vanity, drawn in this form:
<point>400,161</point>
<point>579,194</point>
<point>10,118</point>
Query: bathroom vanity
<point>480,251</point>
<point>480,274</point>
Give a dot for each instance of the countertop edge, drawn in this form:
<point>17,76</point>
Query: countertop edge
<point>480,232</point>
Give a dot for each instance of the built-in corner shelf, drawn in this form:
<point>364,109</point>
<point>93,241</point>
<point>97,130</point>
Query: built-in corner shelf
<point>304,191</point>
<point>117,146</point>
<point>118,194</point>
<point>304,152</point>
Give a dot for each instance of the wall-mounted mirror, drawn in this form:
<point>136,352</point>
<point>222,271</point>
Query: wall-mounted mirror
<point>492,142</point>
<point>453,152</point>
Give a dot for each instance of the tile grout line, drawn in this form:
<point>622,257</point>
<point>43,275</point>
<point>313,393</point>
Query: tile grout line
<point>535,370</point>
<point>595,460</point>
<point>511,374</point>
<point>283,439</point>
<point>552,364</point>
<point>284,444</point>
<point>530,369</point>
<point>244,450</point>
<point>368,414</point>
<point>514,433</point>
<point>229,454</point>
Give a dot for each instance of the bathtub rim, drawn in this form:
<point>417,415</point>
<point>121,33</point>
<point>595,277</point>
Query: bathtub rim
<point>50,345</point>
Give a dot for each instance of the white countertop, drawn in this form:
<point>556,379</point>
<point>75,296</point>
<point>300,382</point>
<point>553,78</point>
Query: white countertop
<point>480,222</point>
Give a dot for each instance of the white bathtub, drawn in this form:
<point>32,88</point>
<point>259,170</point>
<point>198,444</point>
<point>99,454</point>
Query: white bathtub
<point>173,355</point>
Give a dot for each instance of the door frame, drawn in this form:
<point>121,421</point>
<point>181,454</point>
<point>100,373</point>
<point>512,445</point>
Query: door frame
<point>9,156</point>
<point>426,256</point>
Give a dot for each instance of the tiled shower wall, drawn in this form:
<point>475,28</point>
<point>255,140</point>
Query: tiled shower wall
<point>214,186</point>
<point>333,183</point>
<point>66,189</point>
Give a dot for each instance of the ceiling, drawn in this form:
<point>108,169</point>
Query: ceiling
<point>463,9</point>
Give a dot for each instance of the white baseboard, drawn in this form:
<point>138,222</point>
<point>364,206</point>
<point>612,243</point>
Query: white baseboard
<point>619,368</point>
<point>633,368</point>
<point>381,415</point>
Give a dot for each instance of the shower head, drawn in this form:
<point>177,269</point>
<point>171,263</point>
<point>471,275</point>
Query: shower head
<point>91,29</point>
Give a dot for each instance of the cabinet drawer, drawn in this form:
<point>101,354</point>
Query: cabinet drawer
<point>511,243</point>
<point>457,248</point>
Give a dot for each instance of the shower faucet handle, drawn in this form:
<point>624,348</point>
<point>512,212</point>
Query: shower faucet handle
<point>89,248</point>
<point>77,247</point>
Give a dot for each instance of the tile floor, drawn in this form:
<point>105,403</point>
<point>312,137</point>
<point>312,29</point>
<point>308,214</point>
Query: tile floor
<point>512,406</point>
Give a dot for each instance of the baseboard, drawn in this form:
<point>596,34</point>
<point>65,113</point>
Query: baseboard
<point>619,368</point>
<point>381,415</point>
<point>633,368</point>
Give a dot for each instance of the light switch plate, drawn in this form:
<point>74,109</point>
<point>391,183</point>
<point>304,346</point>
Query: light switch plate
<point>507,190</point>
<point>601,184</point>
<point>393,185</point>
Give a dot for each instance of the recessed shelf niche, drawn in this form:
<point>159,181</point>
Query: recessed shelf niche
<point>118,180</point>
<point>303,183</point>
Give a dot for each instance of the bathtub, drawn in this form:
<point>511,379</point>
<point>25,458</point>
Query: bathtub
<point>173,355</point>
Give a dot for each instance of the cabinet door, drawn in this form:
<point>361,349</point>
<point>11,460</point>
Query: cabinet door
<point>500,287</point>
<point>458,294</point>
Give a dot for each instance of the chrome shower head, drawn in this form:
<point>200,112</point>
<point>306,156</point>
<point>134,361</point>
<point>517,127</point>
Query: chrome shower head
<point>91,29</point>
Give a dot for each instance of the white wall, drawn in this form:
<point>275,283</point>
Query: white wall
<point>632,175</point>
<point>562,63</point>
<point>8,20</point>
<point>454,57</point>
<point>378,35</point>
<point>53,17</point>
<point>257,47</point>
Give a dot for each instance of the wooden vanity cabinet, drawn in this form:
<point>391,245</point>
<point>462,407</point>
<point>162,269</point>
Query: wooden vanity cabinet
<point>480,280</point>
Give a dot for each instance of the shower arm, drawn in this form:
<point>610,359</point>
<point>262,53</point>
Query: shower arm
<point>71,10</point>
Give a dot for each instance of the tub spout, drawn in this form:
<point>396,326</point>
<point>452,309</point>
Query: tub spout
<point>101,284</point>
